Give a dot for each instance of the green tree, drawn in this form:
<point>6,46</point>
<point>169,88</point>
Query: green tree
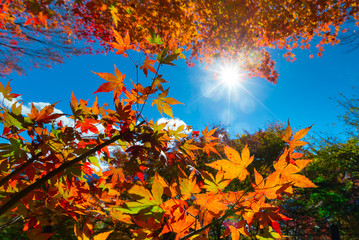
<point>350,113</point>
<point>335,170</point>
<point>267,144</point>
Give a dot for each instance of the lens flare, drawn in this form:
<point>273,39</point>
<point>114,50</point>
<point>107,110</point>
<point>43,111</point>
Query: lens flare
<point>226,83</point>
<point>230,75</point>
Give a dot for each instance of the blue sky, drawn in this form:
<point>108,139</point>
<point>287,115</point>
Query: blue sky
<point>301,94</point>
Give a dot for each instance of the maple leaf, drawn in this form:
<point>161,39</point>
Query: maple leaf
<point>154,39</point>
<point>237,229</point>
<point>121,44</point>
<point>269,187</point>
<point>116,173</point>
<point>188,185</point>
<point>188,147</point>
<point>87,124</point>
<point>213,202</point>
<point>32,21</point>
<point>148,201</point>
<point>295,141</point>
<point>268,234</point>
<point>157,82</point>
<point>235,166</point>
<point>120,216</point>
<point>6,91</point>
<point>148,65</point>
<point>42,19</point>
<point>114,14</point>
<point>215,184</point>
<point>163,103</point>
<point>102,236</point>
<point>115,83</point>
<point>209,147</point>
<point>85,233</point>
<point>289,172</point>
<point>179,225</point>
<point>169,190</point>
<point>148,225</point>
<point>45,115</point>
<point>208,134</point>
<point>287,134</point>
<point>301,133</point>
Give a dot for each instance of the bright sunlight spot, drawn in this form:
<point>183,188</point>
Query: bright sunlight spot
<point>228,85</point>
<point>230,75</point>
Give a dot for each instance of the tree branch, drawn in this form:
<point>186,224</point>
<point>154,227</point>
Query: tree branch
<point>19,169</point>
<point>17,197</point>
<point>9,223</point>
<point>220,219</point>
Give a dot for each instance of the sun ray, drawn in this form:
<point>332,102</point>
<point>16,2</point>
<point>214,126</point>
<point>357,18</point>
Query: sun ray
<point>208,92</point>
<point>259,102</point>
<point>228,79</point>
<point>229,107</point>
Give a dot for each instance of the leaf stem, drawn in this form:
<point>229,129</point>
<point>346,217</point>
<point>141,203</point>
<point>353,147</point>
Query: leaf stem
<point>143,105</point>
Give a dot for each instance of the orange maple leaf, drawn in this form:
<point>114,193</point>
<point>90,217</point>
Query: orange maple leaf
<point>6,91</point>
<point>148,65</point>
<point>121,44</point>
<point>289,171</point>
<point>235,166</point>
<point>87,124</point>
<point>115,83</point>
<point>269,187</point>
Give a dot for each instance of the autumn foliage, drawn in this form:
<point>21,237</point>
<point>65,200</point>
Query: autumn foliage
<point>207,29</point>
<point>39,32</point>
<point>49,167</point>
<point>113,165</point>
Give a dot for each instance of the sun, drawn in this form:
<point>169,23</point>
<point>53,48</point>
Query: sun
<point>230,75</point>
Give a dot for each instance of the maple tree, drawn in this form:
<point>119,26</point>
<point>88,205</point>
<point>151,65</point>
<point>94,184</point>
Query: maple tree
<point>350,113</point>
<point>241,30</point>
<point>50,171</point>
<point>316,212</point>
<point>39,31</point>
<point>47,168</point>
<point>212,29</point>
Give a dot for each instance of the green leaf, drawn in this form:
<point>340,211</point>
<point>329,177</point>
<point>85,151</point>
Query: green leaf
<point>94,160</point>
<point>268,233</point>
<point>148,202</point>
<point>155,39</point>
<point>113,12</point>
<point>162,55</point>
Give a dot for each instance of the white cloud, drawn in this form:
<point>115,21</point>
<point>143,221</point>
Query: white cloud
<point>7,103</point>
